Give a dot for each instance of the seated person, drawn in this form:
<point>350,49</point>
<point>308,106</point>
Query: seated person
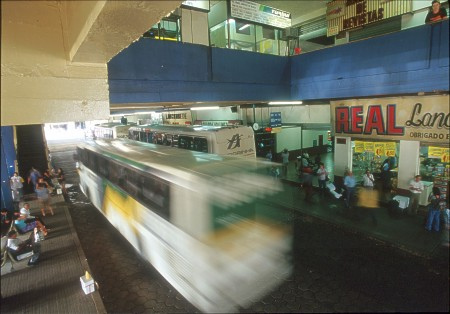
<point>25,211</point>
<point>17,247</point>
<point>7,218</point>
<point>23,226</point>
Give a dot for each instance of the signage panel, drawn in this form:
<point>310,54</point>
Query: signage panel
<point>198,4</point>
<point>275,119</point>
<point>348,14</point>
<point>259,13</point>
<point>421,118</point>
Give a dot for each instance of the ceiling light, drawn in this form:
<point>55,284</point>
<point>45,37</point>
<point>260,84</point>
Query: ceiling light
<point>244,27</point>
<point>205,108</point>
<point>286,102</point>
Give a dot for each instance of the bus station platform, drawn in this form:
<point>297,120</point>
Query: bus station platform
<point>406,232</point>
<point>53,285</point>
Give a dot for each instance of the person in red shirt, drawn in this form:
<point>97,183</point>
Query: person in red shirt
<point>436,13</point>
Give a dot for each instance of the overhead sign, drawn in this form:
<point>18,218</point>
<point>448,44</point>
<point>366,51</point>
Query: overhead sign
<point>198,4</point>
<point>344,15</point>
<point>275,119</point>
<point>421,118</point>
<point>259,13</point>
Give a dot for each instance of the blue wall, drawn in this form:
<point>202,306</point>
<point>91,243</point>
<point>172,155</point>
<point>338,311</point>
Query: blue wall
<point>410,61</point>
<point>8,157</point>
<point>163,71</point>
<point>405,62</point>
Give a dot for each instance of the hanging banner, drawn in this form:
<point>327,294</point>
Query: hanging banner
<point>379,148</point>
<point>368,147</point>
<point>419,118</point>
<point>359,147</point>
<point>390,149</point>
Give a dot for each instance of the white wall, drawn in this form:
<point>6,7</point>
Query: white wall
<point>291,114</point>
<point>310,135</point>
<point>217,114</point>
<point>289,138</point>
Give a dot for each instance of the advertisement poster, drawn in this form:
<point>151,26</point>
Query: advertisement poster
<point>415,118</point>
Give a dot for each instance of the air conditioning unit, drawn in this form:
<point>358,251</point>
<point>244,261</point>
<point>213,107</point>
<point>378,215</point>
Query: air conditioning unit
<point>289,33</point>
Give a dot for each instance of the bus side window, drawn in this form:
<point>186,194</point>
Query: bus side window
<point>158,138</point>
<point>175,141</point>
<point>155,195</point>
<point>92,161</point>
<point>103,167</point>
<point>200,144</point>
<point>169,139</point>
<point>186,142</point>
<point>113,172</point>
<point>150,136</point>
<point>131,184</point>
<point>141,136</point>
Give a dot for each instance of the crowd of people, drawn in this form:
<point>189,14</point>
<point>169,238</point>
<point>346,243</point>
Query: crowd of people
<point>19,221</point>
<point>367,193</point>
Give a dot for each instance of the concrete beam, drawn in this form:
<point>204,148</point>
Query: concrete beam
<point>54,55</point>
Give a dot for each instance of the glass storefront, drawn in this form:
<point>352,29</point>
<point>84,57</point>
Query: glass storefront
<point>435,166</point>
<point>370,155</point>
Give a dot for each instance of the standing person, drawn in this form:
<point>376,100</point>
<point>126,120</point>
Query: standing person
<point>285,161</point>
<point>436,13</point>
<point>350,184</point>
<point>33,177</point>
<point>416,188</point>
<point>269,155</point>
<point>48,178</point>
<point>61,180</point>
<point>318,160</point>
<point>307,177</point>
<point>368,180</point>
<point>43,196</point>
<point>322,177</point>
<point>16,183</point>
<point>434,210</point>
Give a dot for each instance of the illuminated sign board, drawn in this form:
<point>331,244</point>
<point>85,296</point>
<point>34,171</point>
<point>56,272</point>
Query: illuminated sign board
<point>344,15</point>
<point>259,13</point>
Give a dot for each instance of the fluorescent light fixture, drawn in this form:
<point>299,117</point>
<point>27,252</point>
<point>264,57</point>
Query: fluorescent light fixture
<point>286,102</point>
<point>244,27</point>
<point>145,112</point>
<point>120,114</point>
<point>205,108</point>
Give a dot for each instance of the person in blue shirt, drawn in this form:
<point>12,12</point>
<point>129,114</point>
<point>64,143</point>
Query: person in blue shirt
<point>350,184</point>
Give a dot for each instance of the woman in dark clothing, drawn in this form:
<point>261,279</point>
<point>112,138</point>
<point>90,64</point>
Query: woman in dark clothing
<point>62,180</point>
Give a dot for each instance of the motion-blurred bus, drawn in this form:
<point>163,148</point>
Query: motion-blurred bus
<point>224,140</point>
<point>208,223</point>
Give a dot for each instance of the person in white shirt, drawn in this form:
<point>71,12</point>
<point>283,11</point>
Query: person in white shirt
<point>17,247</point>
<point>368,180</point>
<point>416,188</point>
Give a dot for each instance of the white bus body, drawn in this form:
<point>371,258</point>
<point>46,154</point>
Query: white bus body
<point>229,140</point>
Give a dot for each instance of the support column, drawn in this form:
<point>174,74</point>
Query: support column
<point>408,163</point>
<point>342,157</point>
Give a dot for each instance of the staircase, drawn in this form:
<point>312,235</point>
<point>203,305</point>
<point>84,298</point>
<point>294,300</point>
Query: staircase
<point>31,151</point>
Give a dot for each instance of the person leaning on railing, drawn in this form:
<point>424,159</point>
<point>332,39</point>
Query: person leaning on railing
<point>436,13</point>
